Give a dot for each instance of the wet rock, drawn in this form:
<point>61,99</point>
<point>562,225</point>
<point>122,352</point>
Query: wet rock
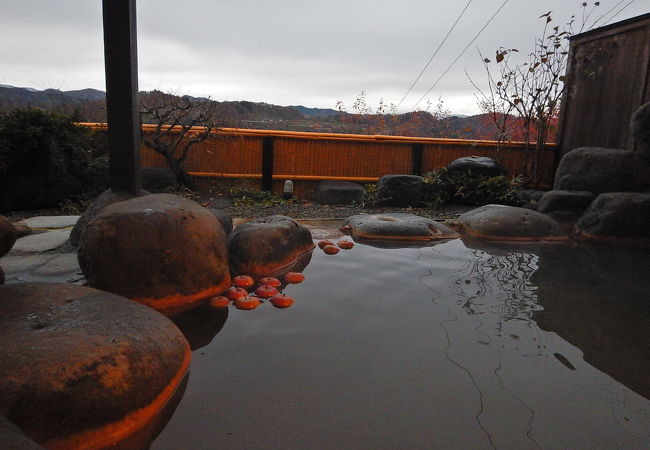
<point>224,219</point>
<point>338,192</point>
<point>157,179</point>
<point>397,226</point>
<point>616,215</point>
<point>162,250</point>
<point>476,165</point>
<point>532,196</point>
<point>7,236</point>
<point>601,170</point>
<point>400,190</point>
<point>565,205</point>
<point>85,368</point>
<point>50,222</point>
<point>641,129</point>
<point>267,246</point>
<point>106,198</point>
<point>509,223</point>
<point>2,276</point>
<point>41,242</point>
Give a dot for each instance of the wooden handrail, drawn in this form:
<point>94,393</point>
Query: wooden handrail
<point>331,136</point>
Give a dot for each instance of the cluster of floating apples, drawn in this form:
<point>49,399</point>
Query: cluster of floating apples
<point>331,248</point>
<point>267,288</point>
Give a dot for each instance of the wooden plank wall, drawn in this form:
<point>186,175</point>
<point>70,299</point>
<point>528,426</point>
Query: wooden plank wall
<point>608,79</point>
<point>307,157</point>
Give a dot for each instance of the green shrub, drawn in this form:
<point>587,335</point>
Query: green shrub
<point>46,159</point>
<point>244,193</point>
<point>443,187</point>
<point>370,196</point>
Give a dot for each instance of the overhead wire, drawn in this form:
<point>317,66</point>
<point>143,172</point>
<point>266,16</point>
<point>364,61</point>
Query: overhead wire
<point>605,15</point>
<point>619,11</point>
<point>461,54</point>
<point>435,53</point>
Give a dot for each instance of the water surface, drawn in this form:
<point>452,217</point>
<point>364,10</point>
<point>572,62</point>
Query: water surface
<point>443,346</point>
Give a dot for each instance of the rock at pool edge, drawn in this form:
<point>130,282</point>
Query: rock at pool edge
<point>161,250</point>
<point>84,368</point>
<point>397,226</point>
<point>509,223</point>
<point>267,246</point>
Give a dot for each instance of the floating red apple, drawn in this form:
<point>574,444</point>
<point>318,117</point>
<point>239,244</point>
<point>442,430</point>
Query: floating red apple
<point>235,293</point>
<point>265,291</point>
<point>324,243</point>
<point>281,301</point>
<point>331,249</point>
<point>247,303</point>
<point>243,281</point>
<point>219,302</point>
<point>345,244</point>
<point>294,277</point>
<point>274,282</point>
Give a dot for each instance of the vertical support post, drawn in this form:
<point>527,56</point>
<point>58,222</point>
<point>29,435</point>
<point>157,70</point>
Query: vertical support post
<point>267,163</point>
<point>416,159</point>
<point>121,66</point>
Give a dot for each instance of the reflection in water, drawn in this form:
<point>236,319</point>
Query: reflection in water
<point>447,346</point>
<point>498,283</point>
<point>200,325</point>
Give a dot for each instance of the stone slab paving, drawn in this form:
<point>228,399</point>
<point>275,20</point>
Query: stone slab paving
<point>50,222</point>
<point>42,242</point>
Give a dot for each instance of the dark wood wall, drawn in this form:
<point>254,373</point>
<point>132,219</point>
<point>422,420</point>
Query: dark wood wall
<point>607,80</point>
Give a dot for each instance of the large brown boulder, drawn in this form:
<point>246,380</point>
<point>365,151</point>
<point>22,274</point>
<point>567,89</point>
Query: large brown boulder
<point>509,223</point>
<point>397,226</point>
<point>82,368</point>
<point>400,190</point>
<point>268,246</point>
<point>601,170</point>
<point>162,250</point>
<point>616,215</point>
<point>7,236</point>
<point>106,198</point>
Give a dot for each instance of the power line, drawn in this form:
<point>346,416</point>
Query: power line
<point>619,11</point>
<point>461,53</point>
<point>593,25</point>
<point>435,53</point>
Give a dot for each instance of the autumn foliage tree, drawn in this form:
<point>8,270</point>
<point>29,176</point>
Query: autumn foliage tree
<point>523,95</point>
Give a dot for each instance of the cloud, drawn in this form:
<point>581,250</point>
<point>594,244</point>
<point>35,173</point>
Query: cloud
<point>283,51</point>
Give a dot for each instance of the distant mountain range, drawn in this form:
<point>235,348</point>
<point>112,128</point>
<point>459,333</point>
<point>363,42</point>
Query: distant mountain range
<point>89,105</point>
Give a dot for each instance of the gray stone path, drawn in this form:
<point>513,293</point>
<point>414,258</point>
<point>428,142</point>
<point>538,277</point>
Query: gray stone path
<point>43,255</point>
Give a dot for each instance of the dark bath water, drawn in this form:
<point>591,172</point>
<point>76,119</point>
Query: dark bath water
<point>442,346</point>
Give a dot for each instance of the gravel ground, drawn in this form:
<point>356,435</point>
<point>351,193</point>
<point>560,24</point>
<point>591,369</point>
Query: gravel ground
<point>295,210</point>
<point>313,211</point>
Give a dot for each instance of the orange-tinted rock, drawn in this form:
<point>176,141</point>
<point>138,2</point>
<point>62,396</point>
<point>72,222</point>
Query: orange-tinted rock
<point>106,198</point>
<point>7,236</point>
<point>509,223</point>
<point>162,250</point>
<point>398,226</point>
<point>82,367</point>
<point>294,277</point>
<point>267,246</point>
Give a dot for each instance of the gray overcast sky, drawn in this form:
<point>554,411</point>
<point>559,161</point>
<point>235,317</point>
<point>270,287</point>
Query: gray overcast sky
<point>279,51</point>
